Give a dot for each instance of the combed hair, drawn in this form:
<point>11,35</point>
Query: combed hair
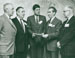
<point>54,9</point>
<point>35,6</point>
<point>19,8</point>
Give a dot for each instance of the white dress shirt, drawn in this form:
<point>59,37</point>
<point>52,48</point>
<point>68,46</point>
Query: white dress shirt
<point>36,18</point>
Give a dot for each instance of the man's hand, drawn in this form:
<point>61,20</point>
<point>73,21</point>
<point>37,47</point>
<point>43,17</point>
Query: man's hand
<point>58,45</point>
<point>29,46</point>
<point>44,35</point>
<point>34,34</point>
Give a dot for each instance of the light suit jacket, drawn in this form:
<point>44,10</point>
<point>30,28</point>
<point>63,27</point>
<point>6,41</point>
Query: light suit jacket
<point>7,36</point>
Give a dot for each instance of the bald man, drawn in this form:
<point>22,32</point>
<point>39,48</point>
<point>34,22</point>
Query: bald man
<point>67,34</point>
<point>7,32</point>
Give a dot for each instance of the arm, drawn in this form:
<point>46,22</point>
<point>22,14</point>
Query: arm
<point>44,24</point>
<point>69,36</point>
<point>56,33</point>
<point>29,25</point>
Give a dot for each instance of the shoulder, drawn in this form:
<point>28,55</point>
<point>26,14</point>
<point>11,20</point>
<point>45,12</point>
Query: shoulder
<point>30,16</point>
<point>2,18</point>
<point>14,19</point>
<point>58,20</point>
<point>42,16</point>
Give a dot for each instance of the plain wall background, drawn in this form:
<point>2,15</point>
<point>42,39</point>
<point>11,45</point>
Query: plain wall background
<point>27,4</point>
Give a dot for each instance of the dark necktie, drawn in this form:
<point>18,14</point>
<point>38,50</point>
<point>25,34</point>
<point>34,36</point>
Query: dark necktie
<point>67,21</point>
<point>50,20</point>
<point>21,22</point>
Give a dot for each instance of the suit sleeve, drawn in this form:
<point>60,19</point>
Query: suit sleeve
<point>69,36</point>
<point>29,25</point>
<point>1,25</point>
<point>44,24</point>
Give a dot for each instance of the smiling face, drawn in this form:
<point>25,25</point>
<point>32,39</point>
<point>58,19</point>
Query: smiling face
<point>51,13</point>
<point>21,13</point>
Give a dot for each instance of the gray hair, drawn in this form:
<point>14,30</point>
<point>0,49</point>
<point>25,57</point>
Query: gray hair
<point>4,6</point>
<point>70,7</point>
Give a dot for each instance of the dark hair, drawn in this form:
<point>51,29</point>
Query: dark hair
<point>35,6</point>
<point>54,9</point>
<point>19,8</point>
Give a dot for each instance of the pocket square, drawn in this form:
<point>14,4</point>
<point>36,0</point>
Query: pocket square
<point>40,22</point>
<point>51,25</point>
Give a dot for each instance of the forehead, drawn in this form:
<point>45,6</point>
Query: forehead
<point>67,8</point>
<point>50,10</point>
<point>21,9</point>
<point>37,9</point>
<point>9,6</point>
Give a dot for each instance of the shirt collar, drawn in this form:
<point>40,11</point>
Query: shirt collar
<point>52,19</point>
<point>35,16</point>
<point>70,17</point>
<point>18,18</point>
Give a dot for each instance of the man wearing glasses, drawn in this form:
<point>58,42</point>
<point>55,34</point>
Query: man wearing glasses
<point>67,34</point>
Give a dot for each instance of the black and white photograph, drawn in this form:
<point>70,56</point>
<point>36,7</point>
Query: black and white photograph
<point>37,28</point>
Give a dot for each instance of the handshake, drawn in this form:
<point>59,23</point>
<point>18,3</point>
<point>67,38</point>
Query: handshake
<point>42,34</point>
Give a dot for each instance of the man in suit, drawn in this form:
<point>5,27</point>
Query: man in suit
<point>66,41</point>
<point>52,31</point>
<point>7,32</point>
<point>36,25</point>
<point>21,36</point>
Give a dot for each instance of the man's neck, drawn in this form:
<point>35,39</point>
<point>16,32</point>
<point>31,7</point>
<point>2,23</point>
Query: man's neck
<point>19,17</point>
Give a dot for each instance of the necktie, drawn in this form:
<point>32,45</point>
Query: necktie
<point>37,19</point>
<point>21,22</point>
<point>67,21</point>
<point>50,20</point>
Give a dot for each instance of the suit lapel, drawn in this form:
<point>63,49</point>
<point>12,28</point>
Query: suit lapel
<point>10,21</point>
<point>33,20</point>
<point>54,21</point>
<point>71,20</point>
<point>19,24</point>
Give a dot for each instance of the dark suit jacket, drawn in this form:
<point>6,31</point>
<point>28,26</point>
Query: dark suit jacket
<point>36,28</point>
<point>53,33</point>
<point>67,38</point>
<point>21,39</point>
